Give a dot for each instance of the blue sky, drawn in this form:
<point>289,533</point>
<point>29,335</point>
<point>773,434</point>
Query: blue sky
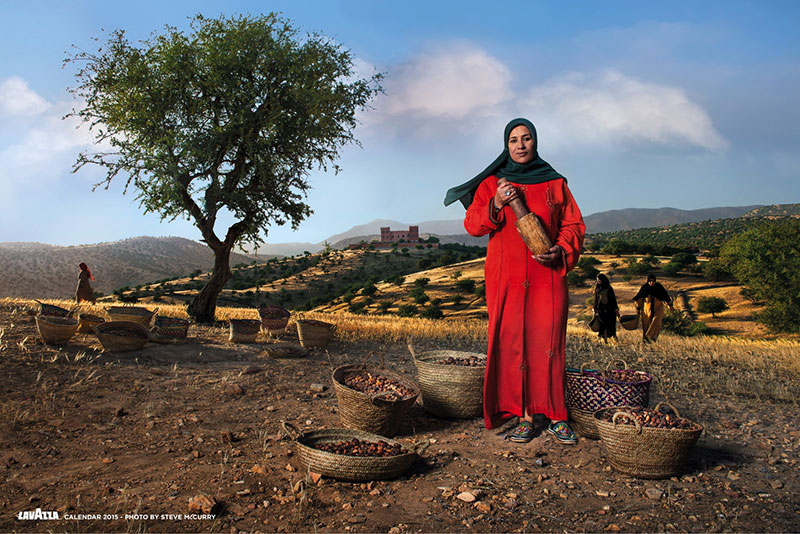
<point>640,104</point>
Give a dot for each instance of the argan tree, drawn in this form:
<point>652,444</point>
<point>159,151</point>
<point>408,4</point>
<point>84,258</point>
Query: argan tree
<point>226,120</point>
<point>766,260</point>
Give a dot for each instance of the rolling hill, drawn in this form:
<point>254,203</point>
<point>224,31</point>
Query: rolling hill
<point>37,270</point>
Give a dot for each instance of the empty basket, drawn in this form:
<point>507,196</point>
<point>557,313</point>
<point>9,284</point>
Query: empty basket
<point>121,336</point>
<point>314,334</point>
<point>244,330</point>
<point>54,329</point>
<point>133,314</point>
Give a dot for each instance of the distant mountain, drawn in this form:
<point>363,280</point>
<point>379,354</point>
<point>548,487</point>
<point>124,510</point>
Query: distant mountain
<point>40,270</point>
<point>633,218</point>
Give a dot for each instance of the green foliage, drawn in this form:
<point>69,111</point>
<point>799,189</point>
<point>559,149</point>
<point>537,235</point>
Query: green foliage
<point>467,285</point>
<point>421,282</point>
<point>712,305</point>
<point>575,279</point>
<point>588,261</point>
<point>715,269</point>
<point>407,310</point>
<point>673,268</point>
<point>369,289</point>
<point>766,259</point>
<point>432,312</point>
<point>421,298</point>
<point>384,306</point>
<point>480,290</point>
<point>684,258</point>
<point>681,324</point>
<point>456,275</point>
<point>195,121</point>
<point>638,267</point>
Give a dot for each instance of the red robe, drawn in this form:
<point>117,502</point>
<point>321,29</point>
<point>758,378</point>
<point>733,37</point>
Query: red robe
<point>527,301</point>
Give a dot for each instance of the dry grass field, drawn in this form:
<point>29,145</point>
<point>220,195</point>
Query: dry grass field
<point>120,442</point>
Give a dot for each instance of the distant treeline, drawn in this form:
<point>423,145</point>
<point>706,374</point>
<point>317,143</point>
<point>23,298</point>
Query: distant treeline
<point>706,237</point>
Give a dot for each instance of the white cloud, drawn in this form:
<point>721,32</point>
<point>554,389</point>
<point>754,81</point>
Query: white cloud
<point>452,83</point>
<point>17,98</point>
<point>610,108</point>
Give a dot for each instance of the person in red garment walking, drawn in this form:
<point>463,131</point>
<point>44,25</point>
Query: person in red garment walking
<point>526,294</point>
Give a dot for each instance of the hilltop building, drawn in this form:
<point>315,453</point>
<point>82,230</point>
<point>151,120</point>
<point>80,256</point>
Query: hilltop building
<point>402,238</point>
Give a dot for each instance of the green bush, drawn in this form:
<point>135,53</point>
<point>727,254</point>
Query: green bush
<point>467,285</point>
<point>766,259</point>
<point>421,298</point>
<point>672,268</point>
<point>712,305</point>
<point>421,282</point>
<point>432,312</point>
<point>407,310</point>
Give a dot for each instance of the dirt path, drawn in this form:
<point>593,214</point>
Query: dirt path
<point>123,442</point>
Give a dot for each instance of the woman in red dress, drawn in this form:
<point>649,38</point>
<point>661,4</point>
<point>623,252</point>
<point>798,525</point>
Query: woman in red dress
<point>526,295</point>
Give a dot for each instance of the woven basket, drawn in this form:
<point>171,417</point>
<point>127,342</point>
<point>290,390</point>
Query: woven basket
<point>314,334</point>
<point>629,322</point>
<point>583,423</point>
<point>360,411</point>
<point>645,452</point>
<point>56,330</point>
<point>453,391</point>
<point>244,330</point>
<point>52,311</point>
<point>170,327</point>
<point>590,390</point>
<point>121,336</point>
<point>594,323</point>
<point>133,314</point>
<point>274,319</point>
<point>87,322</point>
<point>341,466</point>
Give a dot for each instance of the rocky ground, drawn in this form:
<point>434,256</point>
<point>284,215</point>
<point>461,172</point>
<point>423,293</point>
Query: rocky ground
<point>149,440</point>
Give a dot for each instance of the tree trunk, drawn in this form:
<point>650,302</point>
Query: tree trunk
<point>204,305</point>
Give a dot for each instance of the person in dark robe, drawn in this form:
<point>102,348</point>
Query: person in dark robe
<point>650,302</point>
<point>526,294</point>
<point>84,290</point>
<point>605,308</point>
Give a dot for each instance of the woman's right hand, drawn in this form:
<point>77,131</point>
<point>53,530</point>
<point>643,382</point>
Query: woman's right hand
<point>505,193</point>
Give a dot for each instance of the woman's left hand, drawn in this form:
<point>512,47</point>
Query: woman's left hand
<point>549,257</point>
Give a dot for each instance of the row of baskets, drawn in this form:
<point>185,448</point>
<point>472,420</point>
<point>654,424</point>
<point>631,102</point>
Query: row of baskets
<point>273,321</point>
<point>57,325</point>
<point>597,400</point>
<point>447,390</point>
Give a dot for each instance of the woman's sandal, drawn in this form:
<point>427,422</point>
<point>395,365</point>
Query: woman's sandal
<point>562,432</point>
<point>522,433</point>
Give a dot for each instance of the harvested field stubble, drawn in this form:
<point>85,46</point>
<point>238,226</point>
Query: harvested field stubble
<point>90,433</point>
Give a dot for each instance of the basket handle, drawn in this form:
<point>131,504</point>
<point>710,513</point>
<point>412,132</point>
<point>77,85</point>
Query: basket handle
<point>624,364</point>
<point>668,405</point>
<point>411,349</point>
<point>636,423</point>
<point>290,431</point>
<point>421,446</point>
<point>154,312</point>
<point>584,364</point>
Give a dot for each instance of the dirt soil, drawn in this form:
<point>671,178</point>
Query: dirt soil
<point>122,442</point>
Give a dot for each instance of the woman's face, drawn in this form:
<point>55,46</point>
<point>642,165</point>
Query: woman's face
<point>520,144</point>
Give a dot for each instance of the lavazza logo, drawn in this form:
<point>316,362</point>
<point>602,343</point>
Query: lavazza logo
<point>37,515</point>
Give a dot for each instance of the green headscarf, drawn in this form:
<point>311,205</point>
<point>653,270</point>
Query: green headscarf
<point>535,171</point>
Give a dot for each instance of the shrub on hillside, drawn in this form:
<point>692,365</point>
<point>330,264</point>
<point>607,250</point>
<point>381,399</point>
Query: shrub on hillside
<point>407,310</point>
<point>712,305</point>
<point>466,285</point>
<point>432,312</point>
